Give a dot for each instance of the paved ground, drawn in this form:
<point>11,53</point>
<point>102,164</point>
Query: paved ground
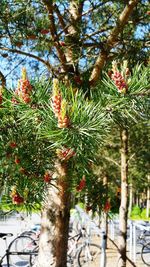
<point>15,225</point>
<point>112,257</point>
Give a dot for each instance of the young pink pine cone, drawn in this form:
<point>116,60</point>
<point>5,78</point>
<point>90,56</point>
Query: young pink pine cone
<point>119,81</point>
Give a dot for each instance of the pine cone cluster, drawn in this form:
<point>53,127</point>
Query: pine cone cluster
<point>59,106</point>
<point>24,88</point>
<point>16,197</point>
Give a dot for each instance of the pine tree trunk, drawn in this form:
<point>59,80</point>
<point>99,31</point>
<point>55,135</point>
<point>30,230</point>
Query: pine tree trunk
<point>137,199</point>
<point>104,222</point>
<point>148,199</point>
<point>123,205</point>
<point>55,223</point>
<point>72,51</point>
<point>130,199</point>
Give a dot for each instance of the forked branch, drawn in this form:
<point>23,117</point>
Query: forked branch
<point>111,41</point>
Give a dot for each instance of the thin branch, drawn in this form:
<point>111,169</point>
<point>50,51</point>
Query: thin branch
<point>95,44</point>
<point>93,8</point>
<point>113,161</point>
<point>131,157</point>
<point>3,79</point>
<point>111,41</point>
<point>49,66</point>
<point>86,36</point>
<point>16,66</point>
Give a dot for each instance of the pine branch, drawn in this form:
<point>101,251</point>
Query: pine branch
<point>86,36</point>
<point>53,31</point>
<point>111,41</point>
<point>61,19</point>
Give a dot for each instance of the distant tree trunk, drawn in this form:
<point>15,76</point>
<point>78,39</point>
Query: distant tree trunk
<point>148,199</point>
<point>130,199</point>
<point>104,221</point>
<point>134,196</point>
<point>137,198</point>
<point>55,222</point>
<point>124,194</point>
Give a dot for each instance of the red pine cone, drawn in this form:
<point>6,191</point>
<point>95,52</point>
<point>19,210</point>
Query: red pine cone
<point>1,99</point>
<point>81,185</point>
<point>31,37</point>
<point>13,145</point>
<point>26,99</point>
<point>17,199</point>
<point>119,81</point>
<point>17,161</point>
<point>107,206</point>
<point>47,177</point>
<point>23,91</point>
<point>56,104</point>
<point>62,43</point>
<point>63,122</point>
<point>44,31</point>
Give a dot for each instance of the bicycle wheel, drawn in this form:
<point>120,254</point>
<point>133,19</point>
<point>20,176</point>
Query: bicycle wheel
<point>89,255</point>
<point>34,255</point>
<point>20,249</point>
<point>145,254</point>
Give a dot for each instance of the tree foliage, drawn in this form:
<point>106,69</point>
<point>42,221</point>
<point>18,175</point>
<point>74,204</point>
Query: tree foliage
<point>72,37</point>
<point>32,140</point>
<point>52,121</point>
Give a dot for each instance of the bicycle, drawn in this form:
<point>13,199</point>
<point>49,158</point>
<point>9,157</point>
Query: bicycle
<point>81,250</point>
<point>145,253</point>
<point>19,251</point>
<point>143,237</point>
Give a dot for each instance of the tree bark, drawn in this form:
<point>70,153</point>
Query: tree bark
<point>104,222</point>
<point>130,199</point>
<point>124,194</point>
<point>137,198</point>
<point>72,38</point>
<point>55,222</point>
<point>148,199</point>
